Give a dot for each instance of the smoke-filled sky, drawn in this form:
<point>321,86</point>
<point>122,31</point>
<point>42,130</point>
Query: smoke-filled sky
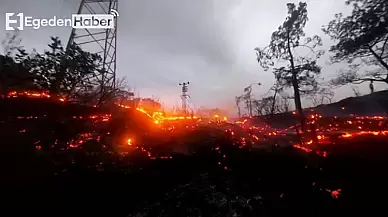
<point>207,42</point>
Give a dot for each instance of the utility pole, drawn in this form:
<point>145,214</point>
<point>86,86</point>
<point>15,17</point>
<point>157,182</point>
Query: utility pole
<point>185,96</point>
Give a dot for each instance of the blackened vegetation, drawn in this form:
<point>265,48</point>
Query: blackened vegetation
<point>70,72</point>
<point>375,104</point>
<point>63,159</point>
<point>216,177</point>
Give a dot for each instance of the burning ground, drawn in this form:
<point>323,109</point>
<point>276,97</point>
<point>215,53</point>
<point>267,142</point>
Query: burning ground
<point>68,160</point>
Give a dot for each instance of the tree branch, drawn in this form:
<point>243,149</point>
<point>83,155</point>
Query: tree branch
<point>383,48</point>
<point>362,80</point>
<point>381,61</point>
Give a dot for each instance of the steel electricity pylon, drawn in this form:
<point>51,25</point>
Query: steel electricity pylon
<point>100,41</point>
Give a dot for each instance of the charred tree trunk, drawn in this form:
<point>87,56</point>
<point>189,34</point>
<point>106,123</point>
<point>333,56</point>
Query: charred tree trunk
<point>294,80</point>
<point>274,102</point>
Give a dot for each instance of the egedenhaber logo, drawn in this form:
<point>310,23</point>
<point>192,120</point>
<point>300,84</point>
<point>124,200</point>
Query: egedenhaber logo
<point>77,21</point>
<point>8,21</point>
<point>114,12</point>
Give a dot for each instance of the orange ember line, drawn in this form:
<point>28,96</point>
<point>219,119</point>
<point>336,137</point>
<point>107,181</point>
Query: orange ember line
<point>31,94</point>
<point>374,133</point>
<point>302,148</point>
<point>159,118</point>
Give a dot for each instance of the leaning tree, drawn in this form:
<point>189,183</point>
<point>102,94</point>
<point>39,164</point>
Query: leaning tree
<point>293,70</point>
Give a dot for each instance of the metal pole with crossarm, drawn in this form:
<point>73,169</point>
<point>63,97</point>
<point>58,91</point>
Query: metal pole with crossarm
<point>185,96</point>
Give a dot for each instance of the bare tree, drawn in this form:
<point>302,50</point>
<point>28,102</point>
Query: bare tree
<point>284,105</point>
<point>276,88</point>
<point>321,96</point>
<point>356,91</point>
<point>263,106</point>
<point>106,95</point>
<point>248,102</point>
<point>269,105</point>
<point>257,107</point>
<point>237,103</point>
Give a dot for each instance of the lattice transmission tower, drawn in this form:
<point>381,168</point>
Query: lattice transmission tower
<point>100,41</point>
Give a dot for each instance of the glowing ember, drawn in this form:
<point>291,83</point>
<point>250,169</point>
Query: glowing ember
<point>334,193</point>
<point>31,94</point>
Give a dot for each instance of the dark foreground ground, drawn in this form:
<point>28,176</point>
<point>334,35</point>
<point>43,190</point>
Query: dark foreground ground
<point>247,183</point>
<point>217,178</point>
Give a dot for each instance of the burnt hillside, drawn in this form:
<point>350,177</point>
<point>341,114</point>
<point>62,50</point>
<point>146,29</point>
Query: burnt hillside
<point>375,104</point>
